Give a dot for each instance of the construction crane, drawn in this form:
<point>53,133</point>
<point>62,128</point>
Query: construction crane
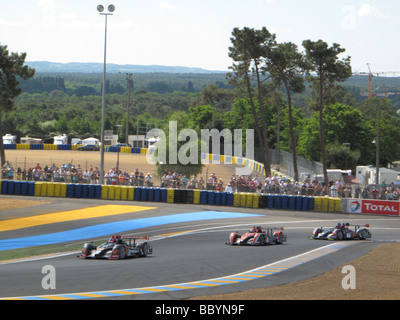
<point>371,75</point>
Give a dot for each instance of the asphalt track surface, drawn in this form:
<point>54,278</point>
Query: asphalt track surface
<point>189,250</point>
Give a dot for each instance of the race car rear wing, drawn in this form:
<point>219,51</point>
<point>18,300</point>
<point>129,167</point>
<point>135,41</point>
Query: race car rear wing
<point>356,226</point>
<point>136,237</point>
<point>132,239</point>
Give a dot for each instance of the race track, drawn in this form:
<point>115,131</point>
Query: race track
<point>190,255</point>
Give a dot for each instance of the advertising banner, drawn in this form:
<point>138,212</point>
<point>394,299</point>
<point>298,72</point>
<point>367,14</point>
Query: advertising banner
<point>367,206</point>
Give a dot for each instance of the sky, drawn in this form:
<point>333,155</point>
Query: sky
<point>193,33</point>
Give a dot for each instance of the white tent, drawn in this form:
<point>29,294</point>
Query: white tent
<point>91,141</point>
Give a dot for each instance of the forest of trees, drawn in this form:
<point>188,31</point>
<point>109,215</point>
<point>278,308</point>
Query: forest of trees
<point>62,103</point>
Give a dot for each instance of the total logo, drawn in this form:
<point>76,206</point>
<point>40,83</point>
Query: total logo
<point>391,208</point>
<point>381,207</point>
<point>355,206</point>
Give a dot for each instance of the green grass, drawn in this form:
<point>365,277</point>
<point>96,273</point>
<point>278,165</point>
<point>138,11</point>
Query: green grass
<point>41,250</point>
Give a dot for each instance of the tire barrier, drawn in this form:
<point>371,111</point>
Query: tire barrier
<point>150,194</point>
<point>46,146</point>
<point>20,188</point>
<point>186,196</point>
<point>64,147</point>
<point>203,197</point>
<point>24,146</point>
<point>12,146</point>
<point>177,196</point>
<point>170,195</point>
<point>113,149</point>
<point>36,147</point>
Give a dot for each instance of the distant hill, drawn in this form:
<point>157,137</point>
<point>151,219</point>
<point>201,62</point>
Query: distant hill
<point>82,67</point>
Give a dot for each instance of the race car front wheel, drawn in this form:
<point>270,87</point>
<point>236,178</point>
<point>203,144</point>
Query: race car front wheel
<point>262,240</point>
<point>363,235</point>
<point>122,253</point>
<point>280,239</point>
<point>88,248</point>
<point>144,250</point>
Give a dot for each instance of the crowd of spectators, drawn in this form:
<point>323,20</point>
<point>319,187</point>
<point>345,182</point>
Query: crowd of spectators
<point>270,185</point>
<point>69,173</point>
<point>335,189</point>
<point>66,173</point>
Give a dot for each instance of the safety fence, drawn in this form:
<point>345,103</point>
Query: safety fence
<point>166,195</point>
<point>255,166</point>
<point>45,146</point>
<point>250,163</point>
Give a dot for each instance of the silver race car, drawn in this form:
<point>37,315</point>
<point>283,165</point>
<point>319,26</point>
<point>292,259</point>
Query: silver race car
<point>117,247</point>
<point>342,232</point>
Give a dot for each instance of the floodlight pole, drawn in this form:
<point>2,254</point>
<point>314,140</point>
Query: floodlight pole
<point>100,8</point>
<point>129,79</point>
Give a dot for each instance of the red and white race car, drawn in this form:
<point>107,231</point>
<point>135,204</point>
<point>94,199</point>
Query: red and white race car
<point>117,247</point>
<point>258,236</point>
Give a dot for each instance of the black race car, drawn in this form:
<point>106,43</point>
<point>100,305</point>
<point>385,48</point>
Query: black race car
<point>342,232</point>
<point>117,248</point>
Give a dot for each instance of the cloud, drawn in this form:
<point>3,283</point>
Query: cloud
<point>130,25</point>
<point>46,3</point>
<point>167,6</point>
<point>8,23</point>
<point>366,10</point>
<point>267,1</point>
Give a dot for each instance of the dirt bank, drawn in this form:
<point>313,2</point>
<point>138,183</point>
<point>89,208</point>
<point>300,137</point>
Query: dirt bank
<point>377,278</point>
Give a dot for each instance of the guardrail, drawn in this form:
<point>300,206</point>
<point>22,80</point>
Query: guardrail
<point>188,196</point>
<point>252,164</point>
<point>167,195</point>
<point>71,147</point>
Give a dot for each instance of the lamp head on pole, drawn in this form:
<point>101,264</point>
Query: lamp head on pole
<point>110,8</point>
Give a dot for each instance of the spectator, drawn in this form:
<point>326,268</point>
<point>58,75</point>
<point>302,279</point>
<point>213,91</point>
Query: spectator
<point>19,173</point>
<point>229,188</point>
<point>148,178</point>
<point>136,177</point>
<point>201,183</point>
<point>10,172</point>
<point>141,179</point>
<point>121,178</point>
<point>184,181</point>
<point>193,183</point>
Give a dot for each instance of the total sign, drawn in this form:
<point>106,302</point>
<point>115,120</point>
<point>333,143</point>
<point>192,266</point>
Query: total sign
<point>391,208</point>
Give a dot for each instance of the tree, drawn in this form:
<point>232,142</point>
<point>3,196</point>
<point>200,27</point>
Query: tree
<point>11,66</point>
<point>285,65</point>
<point>249,47</point>
<point>201,117</point>
<point>342,124</point>
<point>324,61</point>
<point>180,148</point>
<point>61,125</point>
<point>215,96</point>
